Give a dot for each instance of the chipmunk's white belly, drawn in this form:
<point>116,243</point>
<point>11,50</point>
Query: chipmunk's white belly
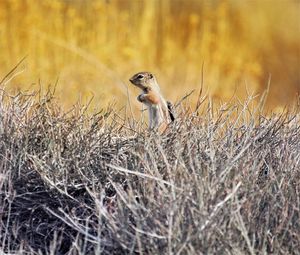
<point>156,115</point>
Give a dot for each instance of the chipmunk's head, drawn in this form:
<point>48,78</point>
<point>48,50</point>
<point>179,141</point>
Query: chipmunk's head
<point>143,80</point>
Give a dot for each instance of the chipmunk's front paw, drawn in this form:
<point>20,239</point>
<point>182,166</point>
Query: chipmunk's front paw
<point>141,98</point>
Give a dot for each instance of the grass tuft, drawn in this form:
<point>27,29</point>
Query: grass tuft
<point>222,180</point>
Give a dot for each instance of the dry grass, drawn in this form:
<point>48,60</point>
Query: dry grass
<point>222,180</point>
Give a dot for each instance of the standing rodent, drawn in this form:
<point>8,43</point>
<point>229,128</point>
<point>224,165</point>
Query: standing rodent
<point>161,112</point>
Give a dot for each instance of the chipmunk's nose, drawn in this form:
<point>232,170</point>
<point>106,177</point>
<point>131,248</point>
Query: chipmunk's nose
<point>131,79</point>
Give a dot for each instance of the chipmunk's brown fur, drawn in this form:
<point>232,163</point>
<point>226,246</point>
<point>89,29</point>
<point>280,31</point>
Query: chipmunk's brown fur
<point>160,113</point>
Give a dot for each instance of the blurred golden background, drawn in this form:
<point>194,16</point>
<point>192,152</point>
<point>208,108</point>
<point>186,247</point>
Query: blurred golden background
<point>93,46</point>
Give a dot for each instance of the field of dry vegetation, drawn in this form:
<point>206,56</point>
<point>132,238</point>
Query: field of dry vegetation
<point>87,177</point>
<point>224,179</point>
<point>93,47</point>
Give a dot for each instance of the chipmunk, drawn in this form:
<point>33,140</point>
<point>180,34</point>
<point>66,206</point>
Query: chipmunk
<point>161,112</point>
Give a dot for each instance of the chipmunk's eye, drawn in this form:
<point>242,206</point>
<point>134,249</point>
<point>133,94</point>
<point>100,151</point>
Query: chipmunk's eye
<point>140,76</point>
